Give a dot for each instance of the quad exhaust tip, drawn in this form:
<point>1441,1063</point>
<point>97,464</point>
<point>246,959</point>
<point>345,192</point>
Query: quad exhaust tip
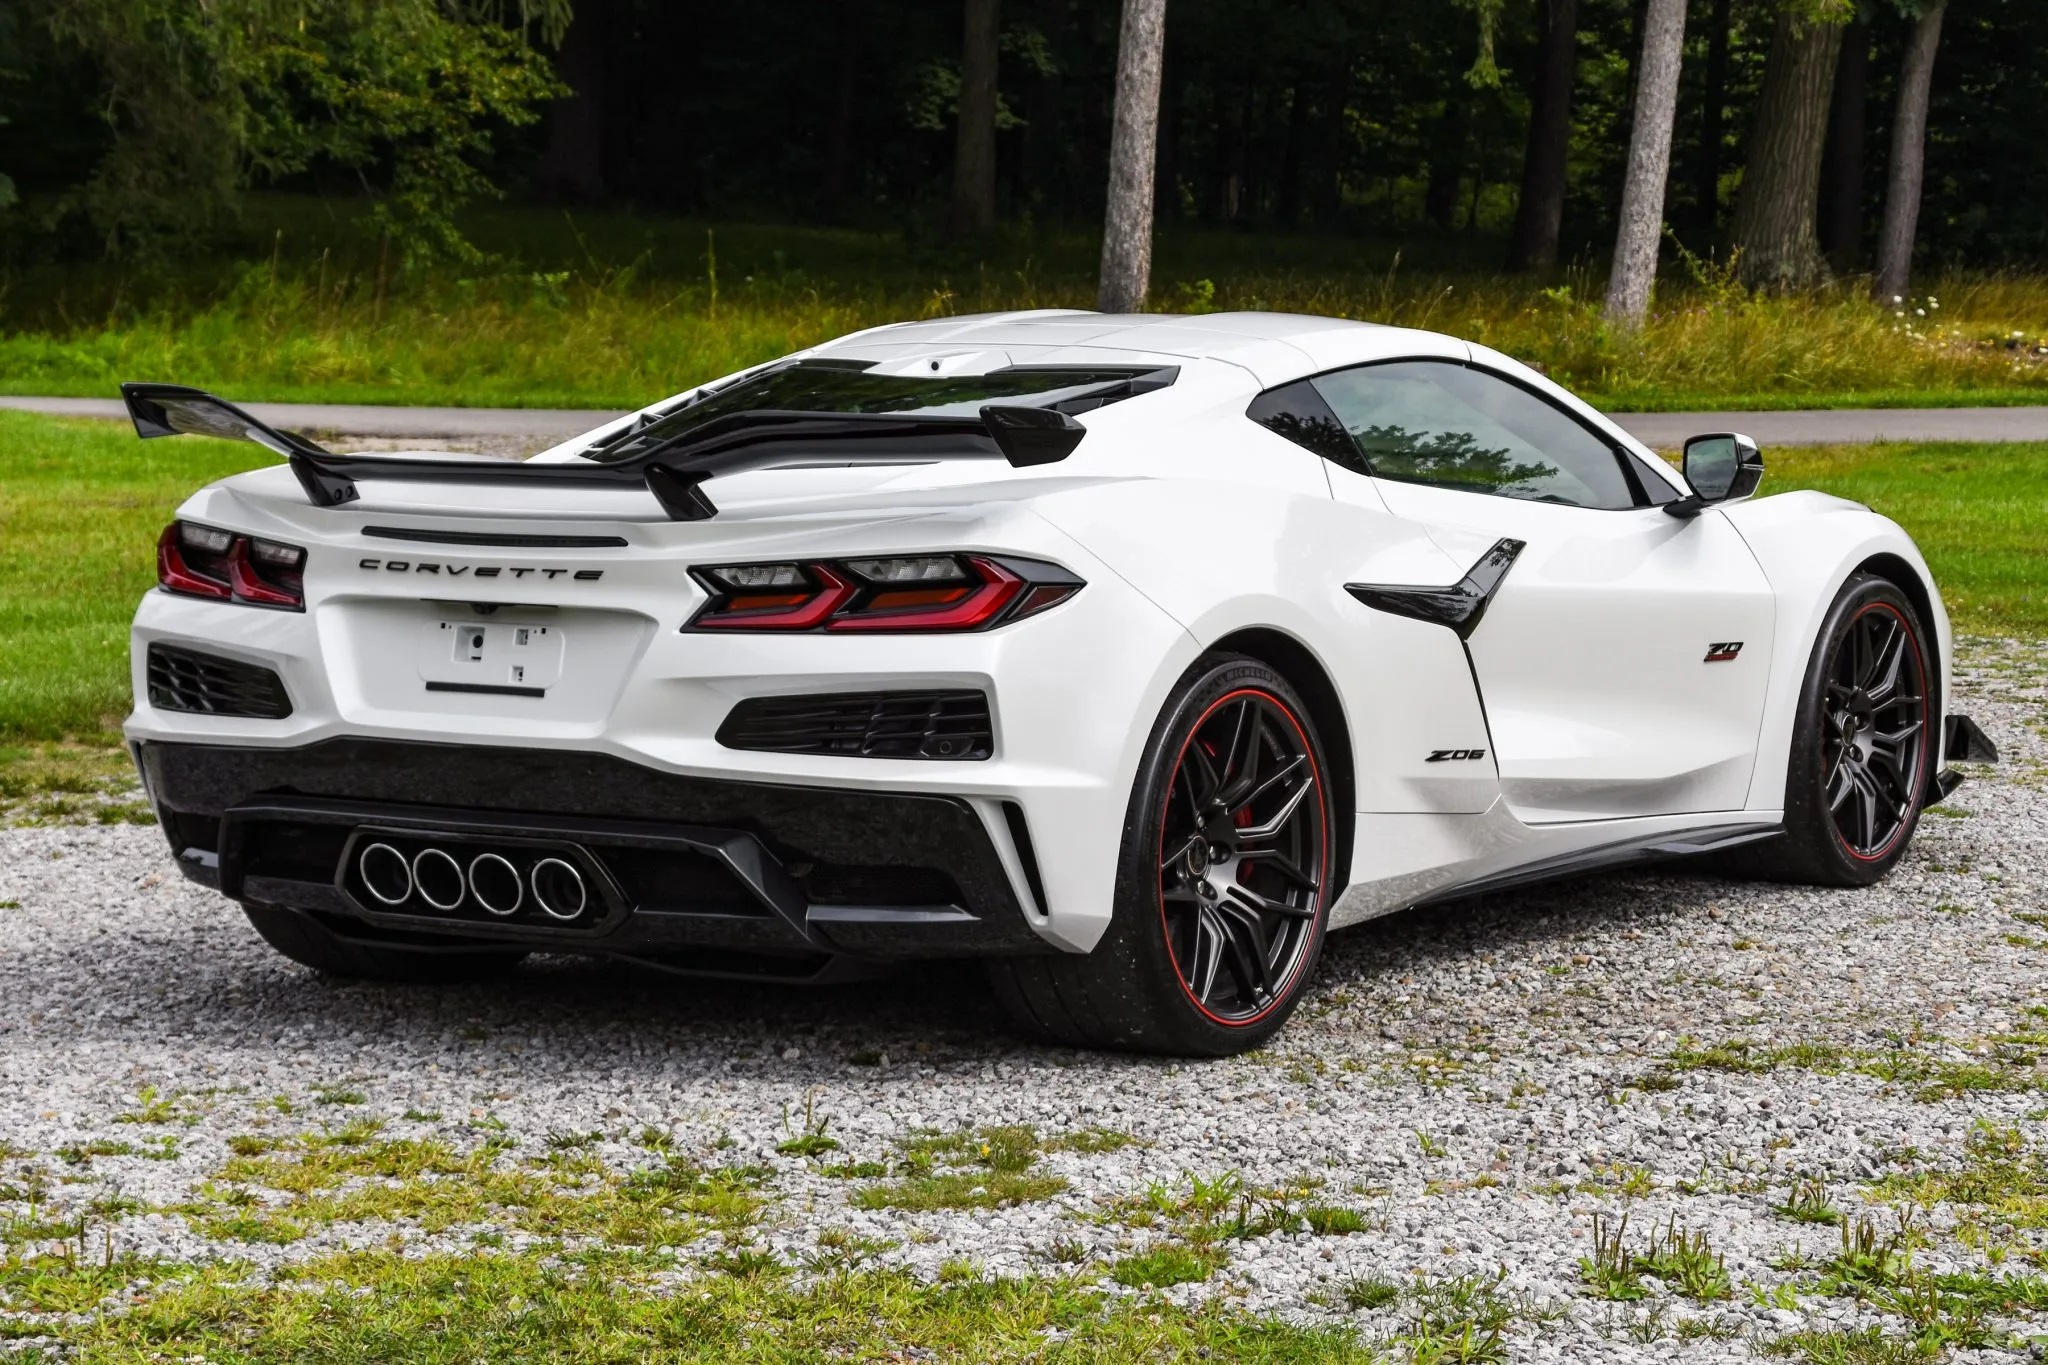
<point>496,884</point>
<point>558,889</point>
<point>386,873</point>
<point>438,878</point>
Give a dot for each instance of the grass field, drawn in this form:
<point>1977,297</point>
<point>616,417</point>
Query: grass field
<point>613,310</point>
<point>81,504</point>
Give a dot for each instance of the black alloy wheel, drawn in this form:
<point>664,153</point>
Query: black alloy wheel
<point>1875,745</point>
<point>1861,764</point>
<point>1224,883</point>
<point>1242,857</point>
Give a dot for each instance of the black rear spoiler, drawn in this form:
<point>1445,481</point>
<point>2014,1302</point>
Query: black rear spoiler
<point>672,472</point>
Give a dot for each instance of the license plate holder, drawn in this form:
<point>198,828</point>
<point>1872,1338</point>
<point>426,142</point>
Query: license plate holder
<point>509,657</point>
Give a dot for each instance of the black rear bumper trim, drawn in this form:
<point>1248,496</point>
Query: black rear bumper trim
<point>866,875</point>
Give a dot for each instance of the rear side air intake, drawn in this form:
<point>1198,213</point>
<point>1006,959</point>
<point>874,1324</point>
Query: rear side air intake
<point>932,725</point>
<point>208,685</point>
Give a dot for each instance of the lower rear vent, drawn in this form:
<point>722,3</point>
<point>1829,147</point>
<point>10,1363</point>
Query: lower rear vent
<point>208,685</point>
<point>950,725</point>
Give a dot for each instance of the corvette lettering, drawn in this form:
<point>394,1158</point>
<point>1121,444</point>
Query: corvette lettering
<point>477,570</point>
<point>1454,755</point>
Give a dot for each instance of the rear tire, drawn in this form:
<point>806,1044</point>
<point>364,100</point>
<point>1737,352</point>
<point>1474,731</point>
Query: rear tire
<point>309,943</point>
<point>1223,885</point>
<point>1863,745</point>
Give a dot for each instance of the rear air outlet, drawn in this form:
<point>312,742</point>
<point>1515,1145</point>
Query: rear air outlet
<point>947,725</point>
<point>186,680</point>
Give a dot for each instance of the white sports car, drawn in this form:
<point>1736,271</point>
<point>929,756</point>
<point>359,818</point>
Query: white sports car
<point>1129,655</point>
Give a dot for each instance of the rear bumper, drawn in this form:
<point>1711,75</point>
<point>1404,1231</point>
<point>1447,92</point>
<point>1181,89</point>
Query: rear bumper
<point>688,871</point>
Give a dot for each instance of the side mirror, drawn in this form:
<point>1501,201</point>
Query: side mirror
<point>1720,468</point>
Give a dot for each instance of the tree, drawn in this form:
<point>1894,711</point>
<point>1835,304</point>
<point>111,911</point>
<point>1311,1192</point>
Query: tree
<point>1908,158</point>
<point>1774,230</point>
<point>974,146</point>
<point>1706,185</point>
<point>1649,163</point>
<point>1133,148</point>
<point>1841,165</point>
<point>572,163</point>
<point>202,98</point>
<point>1539,214</point>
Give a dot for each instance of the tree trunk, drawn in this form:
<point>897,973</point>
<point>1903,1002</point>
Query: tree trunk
<point>1706,185</point>
<point>1327,204</point>
<point>1775,213</point>
<point>1133,147</point>
<point>572,164</point>
<point>1909,159</point>
<point>1841,166</point>
<point>1539,215</point>
<point>974,147</point>
<point>1649,164</point>
<point>1446,164</point>
<point>1287,196</point>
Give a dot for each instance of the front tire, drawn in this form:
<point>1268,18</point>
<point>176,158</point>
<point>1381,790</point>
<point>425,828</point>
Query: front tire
<point>1223,887</point>
<point>309,943</point>
<point>1862,746</point>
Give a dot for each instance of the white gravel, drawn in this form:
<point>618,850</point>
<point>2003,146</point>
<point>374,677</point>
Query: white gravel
<point>1490,1042</point>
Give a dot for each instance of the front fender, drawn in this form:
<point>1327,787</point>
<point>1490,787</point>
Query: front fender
<point>1809,544</point>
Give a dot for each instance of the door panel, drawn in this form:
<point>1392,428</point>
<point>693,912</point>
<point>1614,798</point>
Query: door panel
<point>1593,657</point>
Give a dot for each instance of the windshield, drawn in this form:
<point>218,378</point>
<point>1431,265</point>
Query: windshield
<point>825,387</point>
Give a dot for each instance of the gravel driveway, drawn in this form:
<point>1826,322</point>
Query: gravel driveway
<point>1465,1089</point>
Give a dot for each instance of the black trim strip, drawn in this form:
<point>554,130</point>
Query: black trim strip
<point>1461,606</point>
<point>492,689</point>
<point>1603,857</point>
<point>427,535</point>
<point>1020,835</point>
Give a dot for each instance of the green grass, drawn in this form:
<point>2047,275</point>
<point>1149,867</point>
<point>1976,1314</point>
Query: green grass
<point>603,1307</point>
<point>612,310</point>
<point>1976,512</point>
<point>81,504</point>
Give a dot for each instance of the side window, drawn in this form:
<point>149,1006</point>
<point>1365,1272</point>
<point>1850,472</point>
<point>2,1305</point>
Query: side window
<point>1438,422</point>
<point>1297,412</point>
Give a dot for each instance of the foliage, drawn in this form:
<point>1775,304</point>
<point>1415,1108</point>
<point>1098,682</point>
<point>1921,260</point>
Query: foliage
<point>203,97</point>
<point>612,310</point>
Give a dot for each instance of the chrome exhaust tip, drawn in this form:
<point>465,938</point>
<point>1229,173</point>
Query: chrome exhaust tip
<point>496,884</point>
<point>438,878</point>
<point>558,889</point>
<point>385,873</point>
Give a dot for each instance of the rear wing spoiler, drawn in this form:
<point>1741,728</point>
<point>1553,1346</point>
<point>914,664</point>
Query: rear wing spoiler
<point>674,473</point>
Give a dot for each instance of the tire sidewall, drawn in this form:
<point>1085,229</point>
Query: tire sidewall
<point>1137,928</point>
<point>1807,817</point>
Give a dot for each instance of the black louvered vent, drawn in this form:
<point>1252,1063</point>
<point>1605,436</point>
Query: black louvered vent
<point>864,724</point>
<point>186,680</point>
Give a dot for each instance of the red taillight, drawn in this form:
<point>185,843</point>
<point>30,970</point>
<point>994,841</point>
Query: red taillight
<point>909,593</point>
<point>199,561</point>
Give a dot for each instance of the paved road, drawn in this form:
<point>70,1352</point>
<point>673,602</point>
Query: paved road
<point>1665,430</point>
